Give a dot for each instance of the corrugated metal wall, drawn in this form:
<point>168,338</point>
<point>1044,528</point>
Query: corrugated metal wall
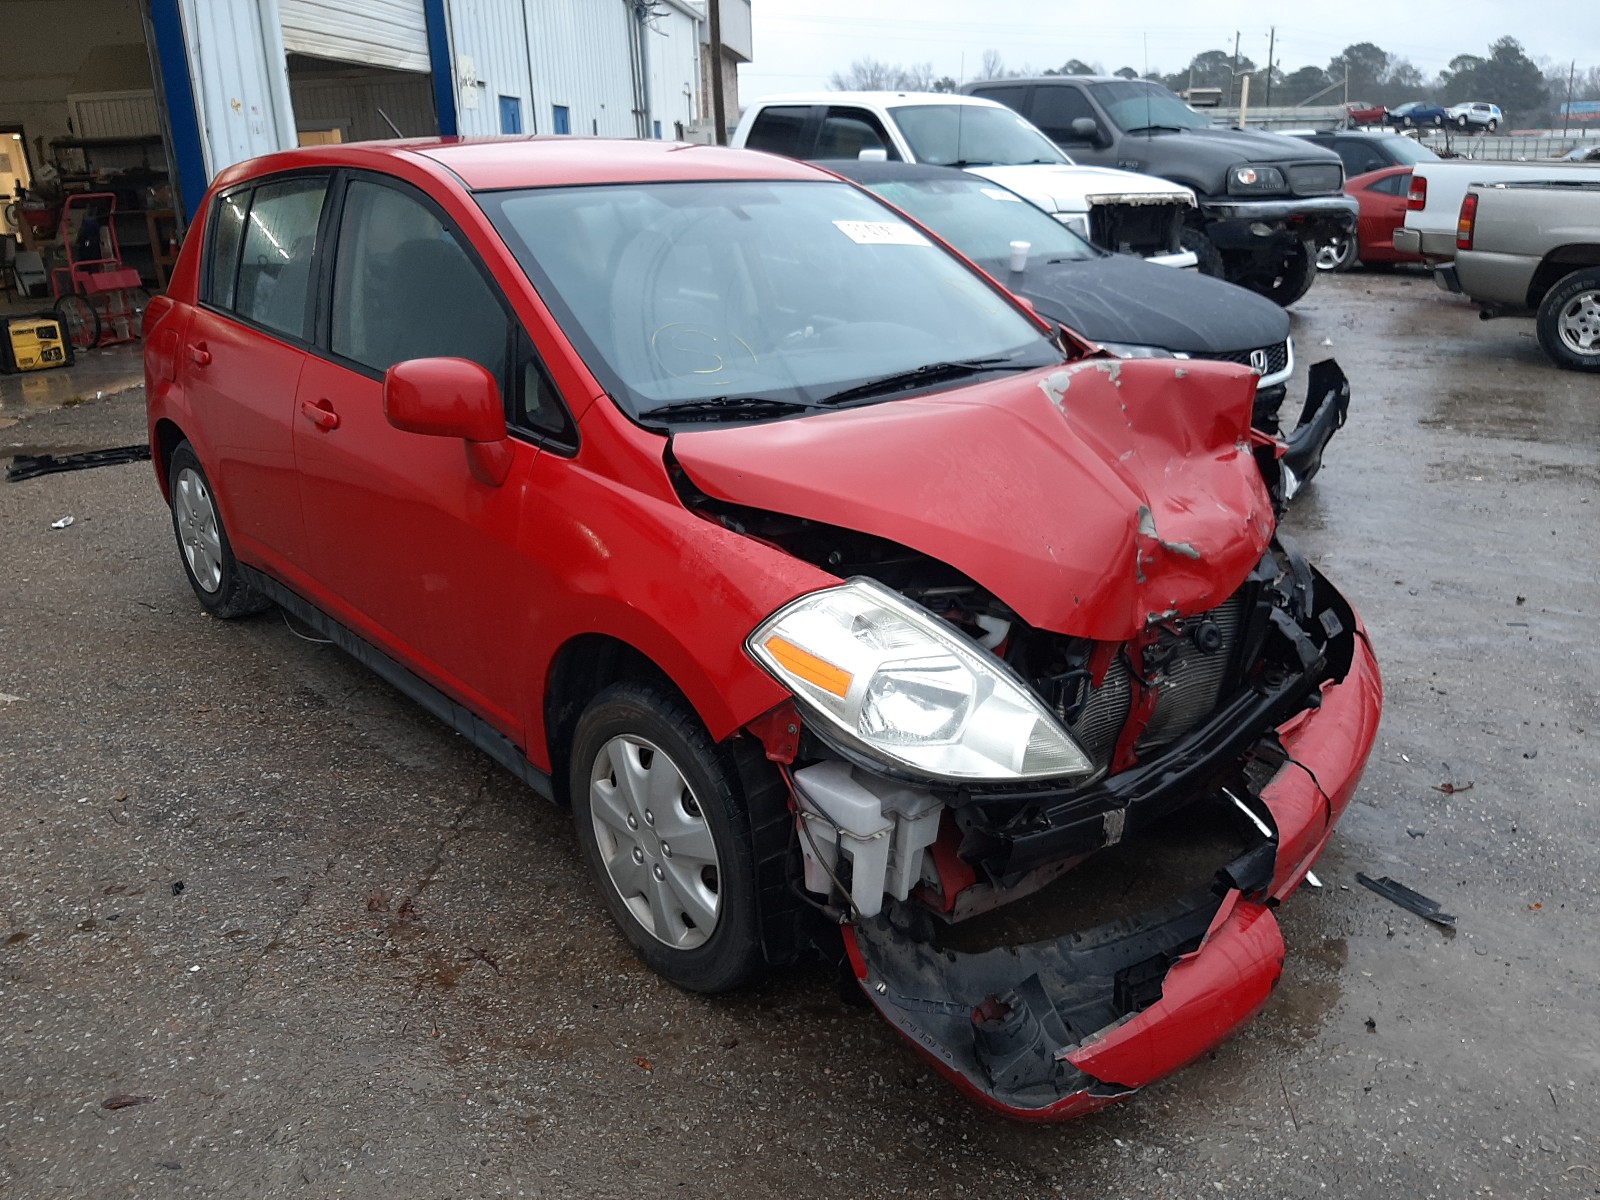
<point>375,33</point>
<point>489,42</point>
<point>583,60</point>
<point>236,63</point>
<point>673,55</point>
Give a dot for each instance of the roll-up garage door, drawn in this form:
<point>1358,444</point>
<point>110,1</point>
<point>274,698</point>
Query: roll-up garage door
<point>375,33</point>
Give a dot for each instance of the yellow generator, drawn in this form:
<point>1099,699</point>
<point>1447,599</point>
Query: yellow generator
<point>33,344</point>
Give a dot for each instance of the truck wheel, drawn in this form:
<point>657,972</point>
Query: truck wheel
<point>1569,321</point>
<point>1292,280</point>
<point>1205,250</point>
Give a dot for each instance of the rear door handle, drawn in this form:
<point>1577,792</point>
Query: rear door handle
<point>199,355</point>
<point>320,413</point>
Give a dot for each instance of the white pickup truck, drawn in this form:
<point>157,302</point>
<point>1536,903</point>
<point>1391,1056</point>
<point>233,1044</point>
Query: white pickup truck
<point>1437,189</point>
<point>1118,210</point>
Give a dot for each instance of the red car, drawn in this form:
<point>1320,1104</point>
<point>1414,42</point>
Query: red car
<point>1381,195</point>
<point>1361,113</point>
<point>842,599</point>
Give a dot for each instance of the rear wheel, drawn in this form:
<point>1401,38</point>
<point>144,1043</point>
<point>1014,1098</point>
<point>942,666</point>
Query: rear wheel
<point>1568,321</point>
<point>662,822</point>
<point>203,543</point>
<point>1493,124</point>
<point>1438,120</point>
<point>79,320</point>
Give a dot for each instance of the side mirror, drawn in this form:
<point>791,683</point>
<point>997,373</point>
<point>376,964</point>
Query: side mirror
<point>452,398</point>
<point>1086,129</point>
<point>444,397</point>
<point>872,154</point>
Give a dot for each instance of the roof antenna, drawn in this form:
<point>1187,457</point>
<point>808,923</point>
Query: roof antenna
<point>1148,132</point>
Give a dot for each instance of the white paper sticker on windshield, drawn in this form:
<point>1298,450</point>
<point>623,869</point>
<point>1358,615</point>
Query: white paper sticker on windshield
<point>881,233</point>
<point>1001,194</point>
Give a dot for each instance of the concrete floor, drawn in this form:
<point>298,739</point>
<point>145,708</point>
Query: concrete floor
<point>386,973</point>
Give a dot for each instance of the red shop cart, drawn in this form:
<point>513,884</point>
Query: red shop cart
<point>99,300</point>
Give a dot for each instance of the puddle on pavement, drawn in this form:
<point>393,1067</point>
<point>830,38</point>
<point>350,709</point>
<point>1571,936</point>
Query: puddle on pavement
<point>1556,415</point>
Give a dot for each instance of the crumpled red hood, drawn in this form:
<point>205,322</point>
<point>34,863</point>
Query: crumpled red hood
<point>1088,498</point>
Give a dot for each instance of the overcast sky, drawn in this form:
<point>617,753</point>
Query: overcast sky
<point>799,43</point>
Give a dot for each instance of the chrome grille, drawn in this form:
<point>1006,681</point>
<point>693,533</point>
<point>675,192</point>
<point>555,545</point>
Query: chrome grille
<point>1277,357</point>
<point>1315,179</point>
<point>1191,679</point>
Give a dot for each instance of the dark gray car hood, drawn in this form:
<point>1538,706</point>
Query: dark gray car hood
<point>1120,298</point>
<point>1221,148</point>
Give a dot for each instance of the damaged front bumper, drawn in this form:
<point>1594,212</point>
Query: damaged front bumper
<point>1054,1029</point>
<point>1047,1029</point>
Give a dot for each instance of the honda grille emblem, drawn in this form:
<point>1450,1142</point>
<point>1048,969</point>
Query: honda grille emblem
<point>1258,361</point>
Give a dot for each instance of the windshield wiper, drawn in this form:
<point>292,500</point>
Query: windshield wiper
<point>932,373</point>
<point>717,407</point>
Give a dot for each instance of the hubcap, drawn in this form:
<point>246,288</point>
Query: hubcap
<point>1579,323</point>
<point>198,531</point>
<point>655,844</point>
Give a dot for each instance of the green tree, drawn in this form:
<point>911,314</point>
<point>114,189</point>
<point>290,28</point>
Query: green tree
<point>1364,65</point>
<point>1075,66</point>
<point>1509,78</point>
<point>1299,86</point>
<point>1126,73</point>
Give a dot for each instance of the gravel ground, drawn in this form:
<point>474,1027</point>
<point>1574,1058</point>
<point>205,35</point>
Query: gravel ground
<point>270,930</point>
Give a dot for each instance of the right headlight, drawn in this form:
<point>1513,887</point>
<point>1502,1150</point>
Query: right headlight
<point>896,683</point>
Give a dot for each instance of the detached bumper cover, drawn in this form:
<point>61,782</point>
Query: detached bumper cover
<point>1055,1029</point>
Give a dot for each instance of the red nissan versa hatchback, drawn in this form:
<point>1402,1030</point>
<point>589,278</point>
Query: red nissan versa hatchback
<point>847,604</point>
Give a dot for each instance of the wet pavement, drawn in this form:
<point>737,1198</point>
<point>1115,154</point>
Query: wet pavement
<point>270,930</point>
<point>95,374</point>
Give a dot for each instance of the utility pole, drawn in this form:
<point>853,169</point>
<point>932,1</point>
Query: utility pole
<point>1272,36</point>
<point>1235,73</point>
<point>1566,109</point>
<point>718,115</point>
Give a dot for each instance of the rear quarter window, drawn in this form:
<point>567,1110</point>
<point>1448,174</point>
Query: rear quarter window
<point>780,130</point>
<point>222,253</point>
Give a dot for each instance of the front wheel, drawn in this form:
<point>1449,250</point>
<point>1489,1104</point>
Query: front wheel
<point>662,822</point>
<point>1292,279</point>
<point>1568,322</point>
<point>1461,122</point>
<point>203,543</point>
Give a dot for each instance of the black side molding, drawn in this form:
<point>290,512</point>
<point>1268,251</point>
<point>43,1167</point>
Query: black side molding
<point>465,722</point>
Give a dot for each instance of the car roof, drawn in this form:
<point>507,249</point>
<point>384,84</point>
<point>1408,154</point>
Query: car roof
<point>489,163</point>
<point>864,170</point>
<point>1059,78</point>
<point>881,99</point>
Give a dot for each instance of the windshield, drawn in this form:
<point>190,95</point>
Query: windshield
<point>1409,152</point>
<point>1134,105</point>
<point>982,219</point>
<point>973,135</point>
<point>731,293</point>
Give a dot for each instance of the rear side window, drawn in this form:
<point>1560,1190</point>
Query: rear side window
<point>1360,157</point>
<point>403,288</point>
<point>1011,95</point>
<point>227,229</point>
<point>780,130</point>
<point>1056,108</point>
<point>846,132</point>
<point>1392,185</point>
<point>280,238</point>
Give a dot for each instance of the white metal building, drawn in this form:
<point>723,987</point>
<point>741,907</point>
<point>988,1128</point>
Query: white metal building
<point>223,80</point>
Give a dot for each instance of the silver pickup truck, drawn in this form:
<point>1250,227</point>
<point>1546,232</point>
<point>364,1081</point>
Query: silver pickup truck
<point>1534,247</point>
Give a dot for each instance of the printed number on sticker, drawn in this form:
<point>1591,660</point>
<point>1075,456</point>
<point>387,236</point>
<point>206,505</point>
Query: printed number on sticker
<point>881,233</point>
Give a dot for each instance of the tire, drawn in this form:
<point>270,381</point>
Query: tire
<point>1438,121</point>
<point>1292,280</point>
<point>80,320</point>
<point>203,545</point>
<point>1205,250</point>
<point>1337,256</point>
<point>1461,122</point>
<point>1493,125</point>
<point>1568,321</point>
<point>645,730</point>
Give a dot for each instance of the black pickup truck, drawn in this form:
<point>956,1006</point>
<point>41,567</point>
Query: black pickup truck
<point>1266,201</point>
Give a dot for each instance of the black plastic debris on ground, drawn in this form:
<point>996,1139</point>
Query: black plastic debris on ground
<point>1399,893</point>
<point>31,466</point>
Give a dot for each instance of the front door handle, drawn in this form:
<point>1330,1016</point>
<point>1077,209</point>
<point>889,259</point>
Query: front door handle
<point>320,413</point>
<point>199,354</point>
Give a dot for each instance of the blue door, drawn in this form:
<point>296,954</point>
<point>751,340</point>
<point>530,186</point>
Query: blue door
<point>562,118</point>
<point>510,114</point>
